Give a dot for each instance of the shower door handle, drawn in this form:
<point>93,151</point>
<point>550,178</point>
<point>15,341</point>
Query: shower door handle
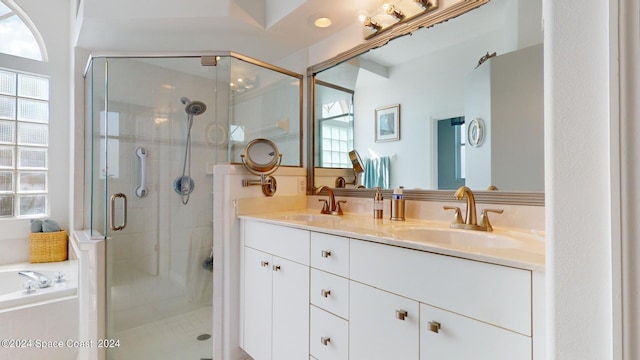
<point>142,191</point>
<point>113,211</point>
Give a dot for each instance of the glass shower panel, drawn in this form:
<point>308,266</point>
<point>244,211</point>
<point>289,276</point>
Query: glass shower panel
<point>159,282</point>
<point>95,185</point>
<point>264,104</point>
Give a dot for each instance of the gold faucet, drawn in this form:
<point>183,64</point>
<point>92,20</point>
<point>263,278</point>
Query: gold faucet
<point>470,221</point>
<point>332,207</point>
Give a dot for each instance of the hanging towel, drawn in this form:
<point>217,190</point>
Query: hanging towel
<point>377,172</point>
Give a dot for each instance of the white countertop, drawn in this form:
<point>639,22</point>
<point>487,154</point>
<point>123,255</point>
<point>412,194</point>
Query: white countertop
<point>523,250</point>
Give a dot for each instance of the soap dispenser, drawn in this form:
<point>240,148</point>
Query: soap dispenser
<point>397,205</point>
<point>377,204</point>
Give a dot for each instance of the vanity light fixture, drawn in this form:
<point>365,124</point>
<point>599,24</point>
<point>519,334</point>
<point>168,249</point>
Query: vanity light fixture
<point>392,13</point>
<point>424,4</point>
<point>395,13</point>
<point>372,25</point>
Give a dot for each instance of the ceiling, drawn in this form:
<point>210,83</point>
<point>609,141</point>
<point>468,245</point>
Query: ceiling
<point>264,29</point>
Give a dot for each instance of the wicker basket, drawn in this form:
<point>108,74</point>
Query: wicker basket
<point>48,246</point>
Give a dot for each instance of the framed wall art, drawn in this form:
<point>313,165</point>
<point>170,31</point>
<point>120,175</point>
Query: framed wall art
<point>388,123</point>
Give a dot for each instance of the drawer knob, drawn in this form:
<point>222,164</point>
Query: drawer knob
<point>434,326</point>
<point>401,314</point>
<point>325,340</point>
<point>325,293</point>
<point>264,263</point>
<point>276,267</point>
<point>326,254</point>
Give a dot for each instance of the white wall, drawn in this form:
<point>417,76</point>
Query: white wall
<point>52,20</point>
<point>506,93</point>
<point>578,181</point>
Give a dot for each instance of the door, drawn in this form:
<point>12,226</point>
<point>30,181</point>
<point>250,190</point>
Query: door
<point>257,303</point>
<point>158,272</point>
<point>382,325</point>
<point>290,310</point>
<point>451,143</point>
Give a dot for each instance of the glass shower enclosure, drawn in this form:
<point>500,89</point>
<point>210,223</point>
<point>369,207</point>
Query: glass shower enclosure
<point>155,127</point>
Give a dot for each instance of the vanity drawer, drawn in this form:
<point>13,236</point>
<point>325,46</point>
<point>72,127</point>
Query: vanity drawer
<point>329,336</point>
<point>285,242</point>
<point>330,253</point>
<point>495,294</point>
<point>330,292</point>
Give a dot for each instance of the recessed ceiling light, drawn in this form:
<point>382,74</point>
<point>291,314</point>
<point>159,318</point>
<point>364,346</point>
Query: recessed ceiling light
<point>322,22</point>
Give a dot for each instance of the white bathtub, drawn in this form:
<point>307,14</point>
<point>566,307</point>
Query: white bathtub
<point>11,284</point>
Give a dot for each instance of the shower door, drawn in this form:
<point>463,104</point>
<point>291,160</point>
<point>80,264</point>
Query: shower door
<point>159,283</point>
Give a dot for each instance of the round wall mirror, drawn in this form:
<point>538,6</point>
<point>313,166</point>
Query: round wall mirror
<point>261,155</point>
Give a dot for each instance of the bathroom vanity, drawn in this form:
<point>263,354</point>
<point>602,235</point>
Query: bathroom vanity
<point>352,287</point>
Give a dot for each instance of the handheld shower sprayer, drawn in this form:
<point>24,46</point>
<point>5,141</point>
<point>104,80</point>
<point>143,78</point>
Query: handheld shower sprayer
<point>184,184</point>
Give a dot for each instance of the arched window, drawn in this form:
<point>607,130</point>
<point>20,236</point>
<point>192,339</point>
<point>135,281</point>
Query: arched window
<point>24,119</point>
<point>18,35</point>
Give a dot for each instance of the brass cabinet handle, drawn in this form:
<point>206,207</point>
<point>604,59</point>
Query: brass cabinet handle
<point>264,263</point>
<point>325,293</point>
<point>325,340</point>
<point>276,267</point>
<point>401,314</point>
<point>326,254</point>
<point>434,326</point>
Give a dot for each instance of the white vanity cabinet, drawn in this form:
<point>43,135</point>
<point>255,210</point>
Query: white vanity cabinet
<point>468,309</point>
<point>338,298</point>
<point>275,292</point>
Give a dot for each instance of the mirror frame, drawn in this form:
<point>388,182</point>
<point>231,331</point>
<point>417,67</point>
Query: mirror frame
<point>427,20</point>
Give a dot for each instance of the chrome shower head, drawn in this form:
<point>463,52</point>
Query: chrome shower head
<point>193,107</point>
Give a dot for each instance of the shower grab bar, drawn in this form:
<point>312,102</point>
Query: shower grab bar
<point>142,191</point>
<point>113,211</point>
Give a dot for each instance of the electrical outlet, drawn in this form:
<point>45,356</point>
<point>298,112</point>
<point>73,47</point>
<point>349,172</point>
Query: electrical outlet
<point>302,185</point>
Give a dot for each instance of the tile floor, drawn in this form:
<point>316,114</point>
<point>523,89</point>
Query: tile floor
<point>171,338</point>
<point>154,317</point>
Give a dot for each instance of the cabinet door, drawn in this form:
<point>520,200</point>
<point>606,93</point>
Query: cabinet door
<point>257,304</point>
<point>445,335</point>
<point>376,327</point>
<point>290,310</point>
<point>329,336</point>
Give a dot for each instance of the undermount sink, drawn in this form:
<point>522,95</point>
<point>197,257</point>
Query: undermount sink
<point>460,238</point>
<point>312,217</point>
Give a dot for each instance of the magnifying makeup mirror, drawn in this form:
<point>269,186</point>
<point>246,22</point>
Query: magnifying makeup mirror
<point>358,170</point>
<point>262,158</point>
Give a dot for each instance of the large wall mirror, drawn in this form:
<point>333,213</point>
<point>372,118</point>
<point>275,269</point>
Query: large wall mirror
<point>434,110</point>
